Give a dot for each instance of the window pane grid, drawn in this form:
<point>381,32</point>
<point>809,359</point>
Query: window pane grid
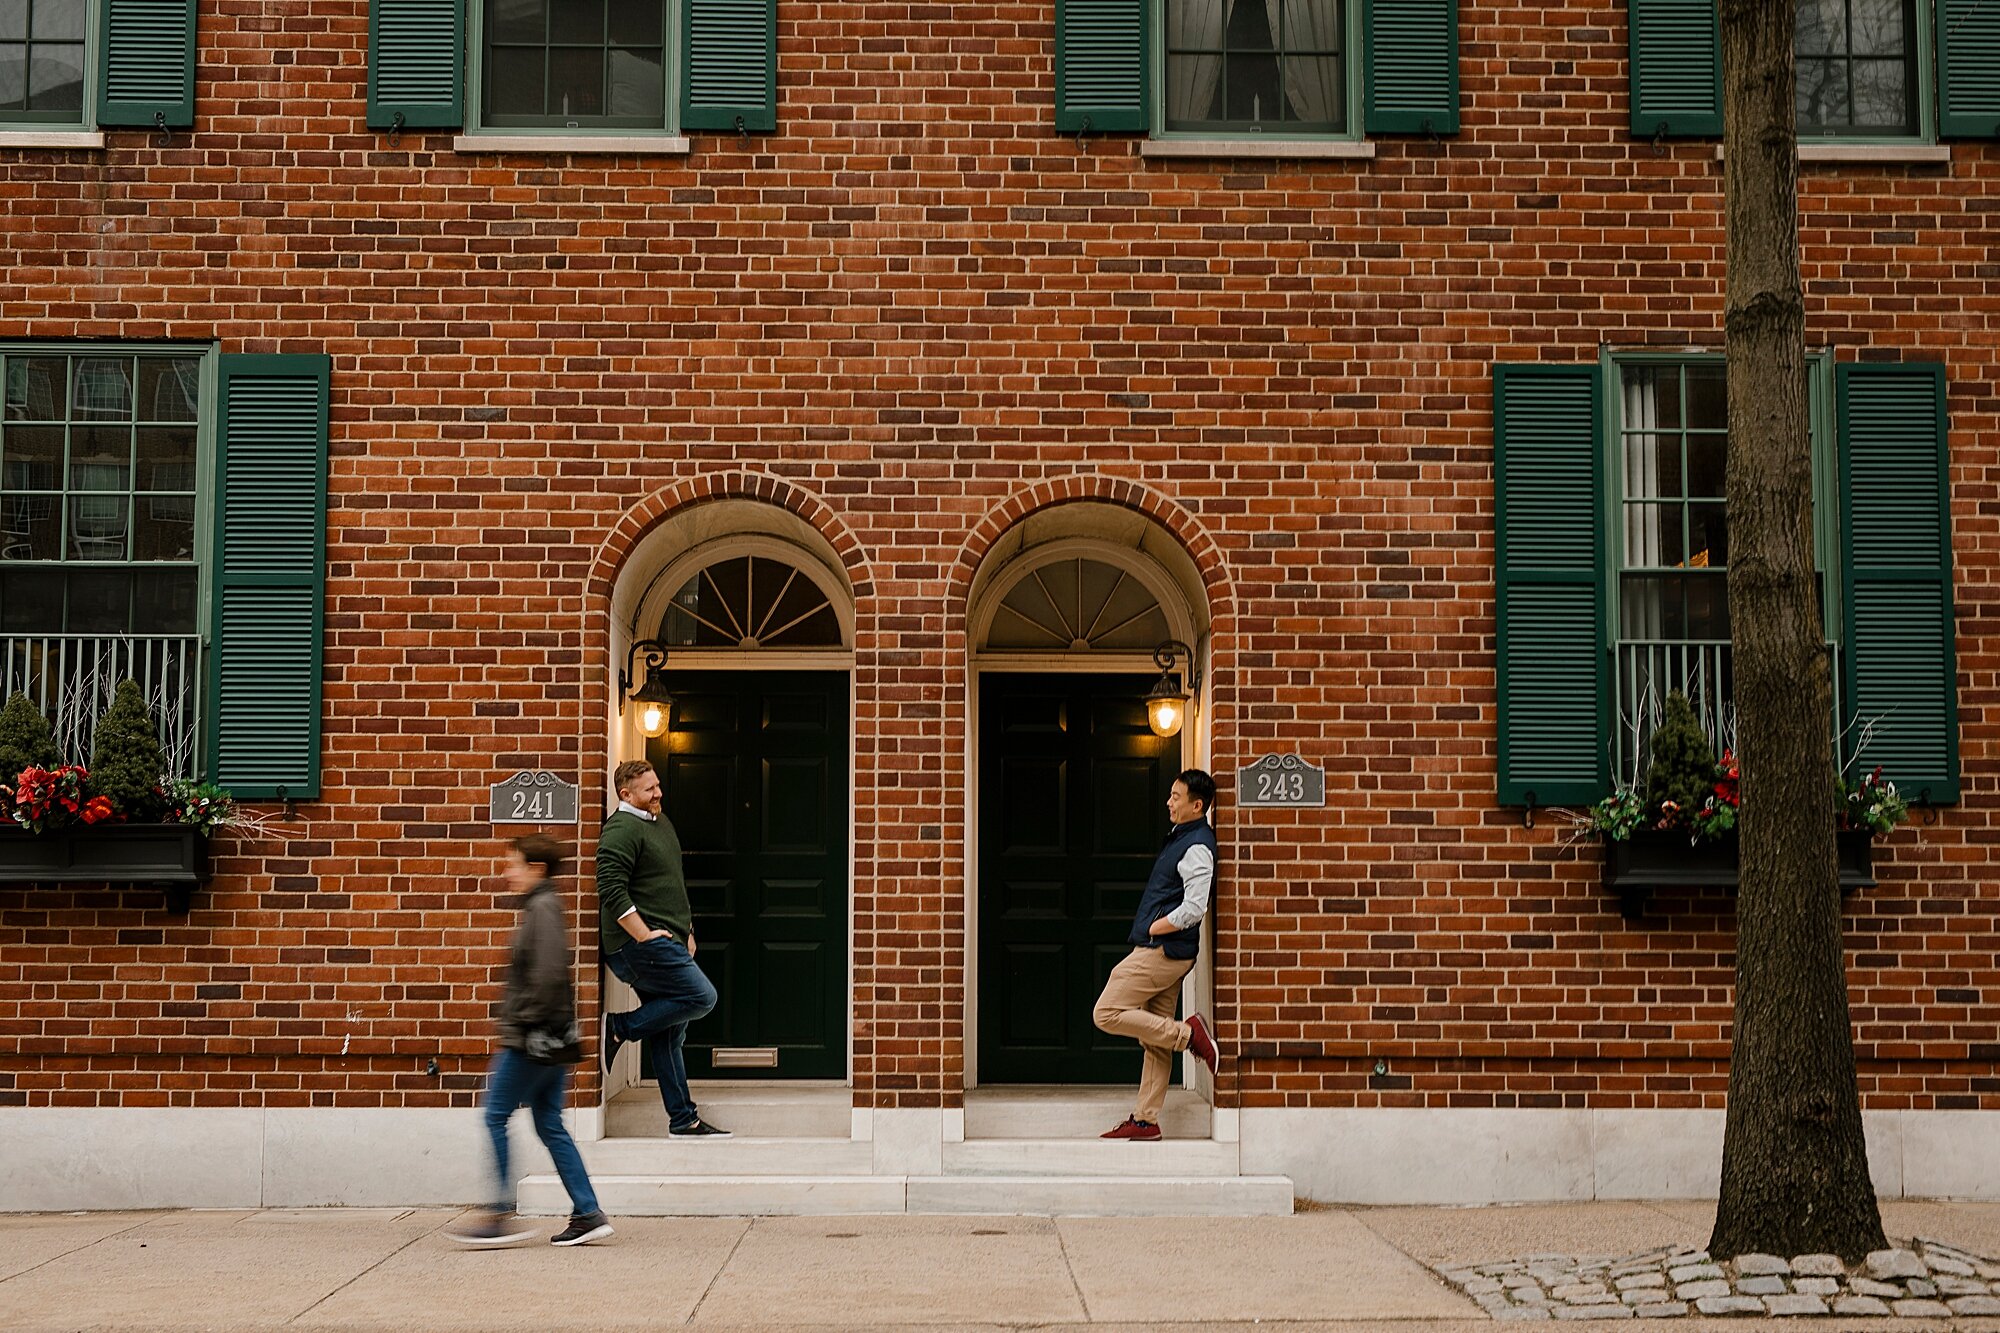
<point>1857,71</point>
<point>575,63</point>
<point>42,59</point>
<point>1243,65</point>
<point>98,494</point>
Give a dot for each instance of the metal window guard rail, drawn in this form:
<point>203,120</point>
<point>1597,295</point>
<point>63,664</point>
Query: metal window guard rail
<point>73,677</point>
<point>1645,671</point>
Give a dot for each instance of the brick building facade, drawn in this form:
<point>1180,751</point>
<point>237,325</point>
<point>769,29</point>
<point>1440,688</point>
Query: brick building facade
<point>912,341</point>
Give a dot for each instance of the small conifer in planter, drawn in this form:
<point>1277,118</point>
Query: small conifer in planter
<point>126,761</point>
<point>1681,778</point>
<point>26,739</point>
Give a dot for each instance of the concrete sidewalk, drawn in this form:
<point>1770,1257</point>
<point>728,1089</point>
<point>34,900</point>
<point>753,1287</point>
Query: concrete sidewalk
<point>395,1269</point>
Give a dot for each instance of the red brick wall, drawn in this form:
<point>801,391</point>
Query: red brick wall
<point>912,315</point>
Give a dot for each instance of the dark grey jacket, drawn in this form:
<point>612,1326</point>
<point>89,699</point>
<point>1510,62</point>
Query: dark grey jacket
<point>538,993</point>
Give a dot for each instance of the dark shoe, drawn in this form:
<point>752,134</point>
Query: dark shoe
<point>1143,1131</point>
<point>1201,1041</point>
<point>492,1231</point>
<point>700,1129</point>
<point>611,1043</point>
<point>583,1230</point>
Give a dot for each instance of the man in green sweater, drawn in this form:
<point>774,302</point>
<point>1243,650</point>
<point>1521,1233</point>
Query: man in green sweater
<point>648,936</point>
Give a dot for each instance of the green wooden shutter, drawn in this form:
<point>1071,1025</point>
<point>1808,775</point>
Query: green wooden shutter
<point>729,64</point>
<point>1676,68</point>
<point>268,575</point>
<point>1901,676</point>
<point>1968,41</point>
<point>147,76</point>
<point>1102,72</point>
<point>1548,553</point>
<point>416,64</point>
<point>1412,66</point>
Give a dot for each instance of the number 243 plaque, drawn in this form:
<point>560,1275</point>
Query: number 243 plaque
<point>1280,780</point>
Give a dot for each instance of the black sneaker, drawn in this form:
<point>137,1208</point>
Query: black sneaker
<point>700,1129</point>
<point>492,1231</point>
<point>583,1230</point>
<point>611,1043</point>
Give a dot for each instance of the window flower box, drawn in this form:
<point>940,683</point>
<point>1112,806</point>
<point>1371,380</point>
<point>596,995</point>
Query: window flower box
<point>173,856</point>
<point>1650,859</point>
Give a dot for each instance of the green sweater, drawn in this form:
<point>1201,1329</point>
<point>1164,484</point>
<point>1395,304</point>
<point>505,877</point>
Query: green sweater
<point>639,865</point>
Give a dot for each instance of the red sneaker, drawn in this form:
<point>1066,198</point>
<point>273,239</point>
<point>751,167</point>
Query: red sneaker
<point>1143,1131</point>
<point>1201,1041</point>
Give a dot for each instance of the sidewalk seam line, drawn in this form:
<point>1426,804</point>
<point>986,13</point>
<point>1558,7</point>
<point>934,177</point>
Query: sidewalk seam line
<point>720,1268</point>
<point>372,1267</point>
<point>79,1249</point>
<point>1062,1244</point>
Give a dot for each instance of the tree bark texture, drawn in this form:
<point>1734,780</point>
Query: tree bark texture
<point>1794,1162</point>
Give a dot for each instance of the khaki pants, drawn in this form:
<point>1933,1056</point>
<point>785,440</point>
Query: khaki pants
<point>1138,1001</point>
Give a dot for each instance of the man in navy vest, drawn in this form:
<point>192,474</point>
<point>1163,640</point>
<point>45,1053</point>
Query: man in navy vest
<point>1138,1000</point>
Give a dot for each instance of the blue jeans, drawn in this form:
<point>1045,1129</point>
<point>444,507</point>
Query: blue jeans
<point>515,1081</point>
<point>672,994</point>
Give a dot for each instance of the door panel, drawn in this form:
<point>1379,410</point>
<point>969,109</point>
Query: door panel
<point>1073,791</point>
<point>755,770</point>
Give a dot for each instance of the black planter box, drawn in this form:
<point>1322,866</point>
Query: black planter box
<point>174,856</point>
<point>1651,859</point>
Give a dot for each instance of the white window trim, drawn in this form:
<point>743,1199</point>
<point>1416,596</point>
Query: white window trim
<point>81,132</point>
<point>481,138</point>
<point>1211,143</point>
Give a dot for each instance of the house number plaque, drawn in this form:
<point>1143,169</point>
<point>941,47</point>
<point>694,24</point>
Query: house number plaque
<point>534,798</point>
<point>1281,780</point>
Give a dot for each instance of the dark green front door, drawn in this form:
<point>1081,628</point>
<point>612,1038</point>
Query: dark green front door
<point>754,764</point>
<point>1072,807</point>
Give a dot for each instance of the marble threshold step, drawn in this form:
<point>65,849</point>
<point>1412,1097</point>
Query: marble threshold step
<point>746,1157</point>
<point>796,1108</point>
<point>1073,1111</point>
<point>816,1109</point>
<point>830,1195</point>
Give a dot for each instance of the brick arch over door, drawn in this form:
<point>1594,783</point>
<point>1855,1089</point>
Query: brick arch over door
<point>1182,525</point>
<point>670,502</point>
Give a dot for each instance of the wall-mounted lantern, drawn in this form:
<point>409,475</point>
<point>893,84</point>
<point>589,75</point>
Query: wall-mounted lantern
<point>1167,703</point>
<point>655,704</point>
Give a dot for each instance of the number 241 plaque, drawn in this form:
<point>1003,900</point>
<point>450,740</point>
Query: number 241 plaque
<point>1280,780</point>
<point>534,798</point>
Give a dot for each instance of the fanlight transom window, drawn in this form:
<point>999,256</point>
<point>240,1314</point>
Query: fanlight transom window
<point>1078,604</point>
<point>751,601</point>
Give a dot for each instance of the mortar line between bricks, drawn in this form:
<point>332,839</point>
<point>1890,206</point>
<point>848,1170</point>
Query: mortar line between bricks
<point>372,1267</point>
<point>720,1269</point>
<point>78,1249</point>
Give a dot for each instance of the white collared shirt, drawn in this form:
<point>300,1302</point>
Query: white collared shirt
<point>1197,869</point>
<point>632,809</point>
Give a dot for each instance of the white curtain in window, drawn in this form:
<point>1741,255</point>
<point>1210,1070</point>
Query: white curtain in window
<point>1312,83</point>
<point>1193,78</point>
<point>1643,616</point>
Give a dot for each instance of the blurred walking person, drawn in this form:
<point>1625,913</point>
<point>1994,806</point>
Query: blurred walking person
<point>538,1040</point>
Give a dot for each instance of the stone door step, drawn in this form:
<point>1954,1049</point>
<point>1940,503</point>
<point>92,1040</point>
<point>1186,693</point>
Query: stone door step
<point>819,1196</point>
<point>735,1156</point>
<point>1089,1157</point>
<point>1069,1111</point>
<point>796,1109</point>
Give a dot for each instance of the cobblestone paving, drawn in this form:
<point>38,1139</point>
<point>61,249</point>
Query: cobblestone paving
<point>1929,1279</point>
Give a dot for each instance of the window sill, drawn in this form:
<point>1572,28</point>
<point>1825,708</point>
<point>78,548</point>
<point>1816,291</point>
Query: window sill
<point>51,138</point>
<point>1882,154</point>
<point>656,144</point>
<point>1325,149</point>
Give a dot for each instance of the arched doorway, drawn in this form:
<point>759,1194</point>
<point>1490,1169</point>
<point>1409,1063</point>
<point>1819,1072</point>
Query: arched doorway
<point>755,765</point>
<point>1070,780</point>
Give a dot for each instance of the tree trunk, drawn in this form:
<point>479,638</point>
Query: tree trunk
<point>1794,1163</point>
